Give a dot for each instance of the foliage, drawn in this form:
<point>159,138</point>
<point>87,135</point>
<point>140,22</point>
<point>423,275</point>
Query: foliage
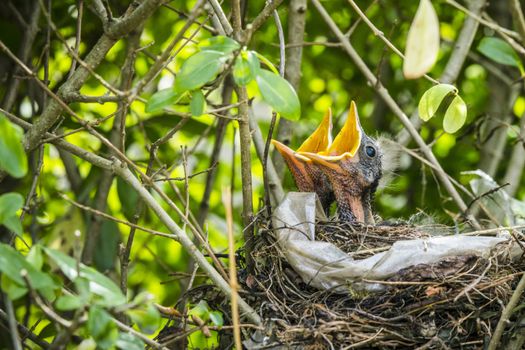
<point>162,97</point>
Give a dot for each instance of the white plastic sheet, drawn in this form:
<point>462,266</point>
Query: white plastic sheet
<point>325,266</point>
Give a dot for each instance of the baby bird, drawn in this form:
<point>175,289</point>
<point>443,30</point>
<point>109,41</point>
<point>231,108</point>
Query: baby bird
<point>352,164</point>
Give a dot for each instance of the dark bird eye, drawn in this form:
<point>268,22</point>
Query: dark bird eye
<point>370,151</point>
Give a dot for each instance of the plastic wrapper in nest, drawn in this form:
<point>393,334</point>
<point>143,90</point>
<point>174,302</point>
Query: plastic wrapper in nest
<point>325,266</point>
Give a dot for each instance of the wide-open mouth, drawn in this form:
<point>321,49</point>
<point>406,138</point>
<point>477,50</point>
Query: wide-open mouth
<point>318,141</point>
<point>345,145</point>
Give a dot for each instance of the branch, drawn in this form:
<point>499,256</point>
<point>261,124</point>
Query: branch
<point>97,54</point>
<point>122,171</point>
<point>382,36</point>
<point>11,319</point>
<point>23,53</point>
<point>245,143</point>
<point>27,333</point>
<point>385,95</point>
<point>506,314</point>
<point>118,167</point>
<point>223,20</point>
<point>294,55</point>
<point>264,15</point>
<point>517,162</point>
<point>517,18</point>
<point>463,44</point>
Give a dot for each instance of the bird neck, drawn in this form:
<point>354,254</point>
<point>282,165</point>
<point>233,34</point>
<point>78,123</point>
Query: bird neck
<point>355,207</point>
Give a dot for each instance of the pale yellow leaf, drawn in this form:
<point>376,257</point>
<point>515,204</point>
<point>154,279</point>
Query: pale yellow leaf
<point>422,42</point>
<point>455,115</point>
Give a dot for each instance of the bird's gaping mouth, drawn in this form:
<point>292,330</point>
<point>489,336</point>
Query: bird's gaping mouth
<point>317,142</point>
<point>345,145</point>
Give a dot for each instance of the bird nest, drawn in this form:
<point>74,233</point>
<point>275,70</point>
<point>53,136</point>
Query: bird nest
<point>456,303</point>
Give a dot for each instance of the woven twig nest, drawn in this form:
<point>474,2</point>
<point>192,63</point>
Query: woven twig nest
<point>455,303</point>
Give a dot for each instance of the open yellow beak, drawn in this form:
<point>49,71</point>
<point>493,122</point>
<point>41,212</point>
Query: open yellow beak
<point>321,138</point>
<point>289,153</point>
<point>318,141</point>
<point>345,145</point>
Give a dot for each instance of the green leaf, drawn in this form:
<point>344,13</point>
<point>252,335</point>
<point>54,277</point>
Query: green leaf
<point>432,98</point>
<point>35,257</point>
<point>147,318</point>
<point>216,318</point>
<point>102,327</point>
<point>246,68</point>
<point>162,98</point>
<point>198,103</point>
<point>14,290</point>
<point>69,302</point>
<point>455,115</point>
<point>13,158</point>
<point>10,203</point>
<point>12,263</point>
<point>279,94</point>
<point>13,223</point>
<point>127,341</point>
<point>199,69</point>
<point>499,51</point>
<point>219,43</point>
<point>98,283</point>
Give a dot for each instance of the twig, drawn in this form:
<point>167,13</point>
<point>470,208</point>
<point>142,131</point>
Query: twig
<point>117,220</point>
<point>80,15</point>
<point>27,332</point>
<point>144,338</point>
<point>26,45</point>
<point>163,60</point>
<point>274,182</point>
<point>212,167</point>
<point>385,95</point>
<point>116,30</point>
<point>382,36</point>
<point>518,18</point>
<point>517,161</point>
<point>506,314</point>
<point>127,176</point>
<point>226,201</point>
<point>264,15</point>
<point>221,16</point>
<point>15,338</point>
<point>485,22</point>
<point>220,131</point>
<point>282,67</point>
<point>294,55</point>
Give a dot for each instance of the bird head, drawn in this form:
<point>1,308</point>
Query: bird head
<point>352,163</point>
